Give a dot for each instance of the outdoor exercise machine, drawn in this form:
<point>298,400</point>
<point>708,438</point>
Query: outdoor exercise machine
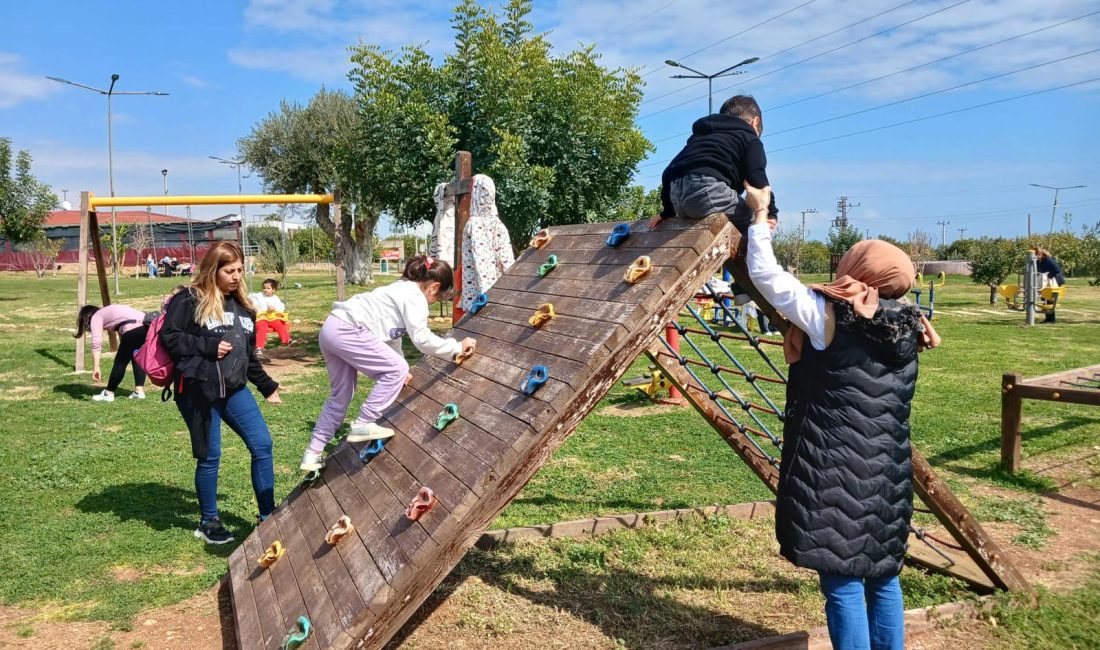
<point>1077,386</point>
<point>89,233</point>
<point>1028,295</point>
<point>918,289</point>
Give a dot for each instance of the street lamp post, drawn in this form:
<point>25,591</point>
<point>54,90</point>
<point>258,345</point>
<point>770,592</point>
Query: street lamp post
<point>1054,208</point>
<point>728,72</point>
<point>804,213</point>
<point>110,155</point>
<point>244,229</point>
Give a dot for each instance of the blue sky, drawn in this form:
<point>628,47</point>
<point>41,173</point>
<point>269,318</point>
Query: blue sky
<point>228,64</point>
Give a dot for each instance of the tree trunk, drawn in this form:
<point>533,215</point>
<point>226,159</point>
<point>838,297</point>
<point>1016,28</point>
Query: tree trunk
<point>357,243</point>
<point>992,294</point>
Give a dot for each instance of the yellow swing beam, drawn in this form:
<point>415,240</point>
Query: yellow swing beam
<point>205,199</point>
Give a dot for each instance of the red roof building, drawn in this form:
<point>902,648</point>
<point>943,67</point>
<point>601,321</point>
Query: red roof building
<point>60,218</point>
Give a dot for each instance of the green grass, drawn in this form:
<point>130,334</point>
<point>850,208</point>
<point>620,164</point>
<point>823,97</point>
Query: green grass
<point>99,500</point>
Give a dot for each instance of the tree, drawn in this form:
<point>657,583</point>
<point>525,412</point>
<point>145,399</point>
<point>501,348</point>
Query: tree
<point>313,243</point>
<point>919,248</point>
<point>788,244</point>
<point>634,203</point>
<point>814,257</point>
<point>141,239</point>
<point>278,255</point>
<point>43,252</point>
<point>841,238</point>
<point>311,149</point>
<point>993,260</point>
<point>111,246</point>
<point>24,201</point>
<point>556,132</point>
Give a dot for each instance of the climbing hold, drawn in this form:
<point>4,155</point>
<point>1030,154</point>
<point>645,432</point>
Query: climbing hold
<point>544,313</point>
<point>550,265</point>
<point>537,377</point>
<point>298,634</point>
<point>311,478</point>
<point>618,235</point>
<point>371,450</point>
<point>341,529</point>
<point>273,552</point>
<point>448,415</point>
<point>540,239</point>
<point>462,356</point>
<point>424,501</point>
<point>480,301</point>
<point>638,269</point>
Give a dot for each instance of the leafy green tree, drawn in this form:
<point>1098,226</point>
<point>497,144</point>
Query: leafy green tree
<point>842,238</point>
<point>278,255</point>
<point>814,257</point>
<point>25,202</point>
<point>112,248</point>
<point>788,243</point>
<point>634,203</point>
<point>994,260</point>
<point>555,132</point>
<point>313,244</point>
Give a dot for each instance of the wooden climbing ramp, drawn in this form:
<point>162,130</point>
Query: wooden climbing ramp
<point>358,592</point>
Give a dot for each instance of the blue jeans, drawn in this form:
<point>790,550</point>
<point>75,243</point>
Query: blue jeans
<point>864,612</point>
<point>696,196</point>
<point>240,412</point>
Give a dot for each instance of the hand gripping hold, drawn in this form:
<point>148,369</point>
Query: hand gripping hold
<point>638,269</point>
<point>544,313</point>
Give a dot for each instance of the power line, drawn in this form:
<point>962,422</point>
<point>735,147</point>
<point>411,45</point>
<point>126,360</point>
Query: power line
<point>810,58</point>
<point>793,47</point>
<point>657,10</point>
<point>910,69</point>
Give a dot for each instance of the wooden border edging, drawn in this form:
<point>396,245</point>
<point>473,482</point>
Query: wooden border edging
<point>601,525</point>
<point>917,622</point>
<point>1057,387</point>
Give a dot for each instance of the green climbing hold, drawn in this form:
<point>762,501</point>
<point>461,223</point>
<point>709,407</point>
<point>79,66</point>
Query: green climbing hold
<point>448,415</point>
<point>311,477</point>
<point>298,634</point>
<point>550,265</point>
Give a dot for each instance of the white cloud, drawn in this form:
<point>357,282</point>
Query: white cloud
<point>16,87</point>
<point>193,81</point>
<point>325,64</point>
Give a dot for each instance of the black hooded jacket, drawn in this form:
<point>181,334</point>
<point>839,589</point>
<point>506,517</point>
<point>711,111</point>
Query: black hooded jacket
<point>721,146</point>
<point>845,495</point>
<point>200,377</point>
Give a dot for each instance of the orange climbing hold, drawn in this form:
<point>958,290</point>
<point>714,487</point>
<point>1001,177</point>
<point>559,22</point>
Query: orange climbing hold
<point>462,356</point>
<point>424,501</point>
<point>638,269</point>
<point>341,529</point>
<point>540,239</point>
<point>273,552</point>
<point>544,313</point>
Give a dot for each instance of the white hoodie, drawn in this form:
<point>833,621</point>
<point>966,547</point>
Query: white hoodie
<point>392,311</point>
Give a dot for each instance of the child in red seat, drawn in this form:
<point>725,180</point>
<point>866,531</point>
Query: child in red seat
<point>270,314</point>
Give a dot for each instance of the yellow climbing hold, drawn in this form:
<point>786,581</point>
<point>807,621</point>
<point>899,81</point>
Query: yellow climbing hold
<point>638,269</point>
<point>273,552</point>
<point>544,313</point>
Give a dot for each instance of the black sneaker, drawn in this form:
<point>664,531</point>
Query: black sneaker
<point>213,532</point>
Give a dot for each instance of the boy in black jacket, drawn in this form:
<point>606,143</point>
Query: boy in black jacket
<point>722,153</point>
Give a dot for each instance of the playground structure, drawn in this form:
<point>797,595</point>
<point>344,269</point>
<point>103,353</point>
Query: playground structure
<point>1029,295</point>
<point>932,285</point>
<point>89,224</point>
<point>1077,386</point>
<point>515,401</point>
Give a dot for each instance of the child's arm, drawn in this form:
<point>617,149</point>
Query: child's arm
<point>415,314</point>
<point>275,304</point>
<point>801,305</point>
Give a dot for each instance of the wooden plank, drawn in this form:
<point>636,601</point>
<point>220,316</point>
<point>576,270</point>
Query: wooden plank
<point>1066,394</point>
<point>364,573</point>
<point>1053,378</point>
<point>599,310</point>
<point>570,372</point>
<point>604,228</point>
<point>508,400</point>
<point>482,443</point>
<point>608,274</point>
<point>439,521</point>
<point>582,329</point>
<point>488,389</point>
<point>696,239</point>
<point>543,445</point>
<point>321,613</point>
<point>468,473</point>
<point>560,345</point>
<point>287,592</point>
<point>387,553</point>
<point>955,517</point>
<point>961,566</point>
<point>488,417</point>
<point>678,258</point>
<point>263,589</point>
<point>1011,414</point>
<point>246,616</point>
<point>507,375</point>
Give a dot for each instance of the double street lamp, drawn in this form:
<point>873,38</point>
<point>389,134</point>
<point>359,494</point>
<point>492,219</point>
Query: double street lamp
<point>110,153</point>
<point>728,72</point>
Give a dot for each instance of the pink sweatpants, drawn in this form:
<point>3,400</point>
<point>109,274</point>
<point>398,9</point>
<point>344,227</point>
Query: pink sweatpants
<point>348,351</point>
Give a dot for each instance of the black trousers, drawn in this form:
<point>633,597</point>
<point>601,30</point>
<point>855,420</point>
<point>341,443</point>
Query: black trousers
<point>128,344</point>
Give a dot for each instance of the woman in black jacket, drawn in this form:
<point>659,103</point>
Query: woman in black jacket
<point>845,494</point>
<point>209,331</point>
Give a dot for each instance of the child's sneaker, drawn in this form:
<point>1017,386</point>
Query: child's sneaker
<point>364,431</point>
<point>105,396</point>
<point>213,532</point>
<point>137,394</point>
<point>311,462</point>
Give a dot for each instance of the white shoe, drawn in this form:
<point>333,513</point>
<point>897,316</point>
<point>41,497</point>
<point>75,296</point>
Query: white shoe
<point>137,394</point>
<point>311,462</point>
<point>364,431</point>
<point>105,396</point>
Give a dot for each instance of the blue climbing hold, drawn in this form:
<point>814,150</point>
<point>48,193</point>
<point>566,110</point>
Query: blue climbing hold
<point>618,235</point>
<point>537,377</point>
<point>480,301</point>
<point>371,450</point>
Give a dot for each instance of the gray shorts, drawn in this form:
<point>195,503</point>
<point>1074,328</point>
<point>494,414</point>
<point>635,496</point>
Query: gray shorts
<point>695,196</point>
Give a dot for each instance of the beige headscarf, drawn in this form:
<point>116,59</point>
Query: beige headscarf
<point>870,269</point>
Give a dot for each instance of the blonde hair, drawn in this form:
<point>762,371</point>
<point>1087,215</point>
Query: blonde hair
<point>205,285</point>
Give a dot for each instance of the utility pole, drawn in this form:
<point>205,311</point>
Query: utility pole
<point>961,231</point>
<point>804,213</point>
<point>943,231</point>
<point>842,208</point>
<point>1029,225</point>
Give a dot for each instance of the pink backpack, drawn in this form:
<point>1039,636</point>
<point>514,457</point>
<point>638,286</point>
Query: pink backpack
<point>153,358</point>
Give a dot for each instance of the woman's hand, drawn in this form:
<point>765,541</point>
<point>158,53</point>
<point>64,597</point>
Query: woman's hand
<point>274,398</point>
<point>758,200</point>
<point>468,345</point>
<point>97,376</point>
<point>223,349</point>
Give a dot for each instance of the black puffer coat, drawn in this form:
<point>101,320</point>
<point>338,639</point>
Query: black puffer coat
<point>846,478</point>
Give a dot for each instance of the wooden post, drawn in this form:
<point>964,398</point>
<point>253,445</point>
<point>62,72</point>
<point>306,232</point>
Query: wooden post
<point>101,269</point>
<point>338,242</point>
<point>1011,408</point>
<point>462,188</point>
<point>82,272</point>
